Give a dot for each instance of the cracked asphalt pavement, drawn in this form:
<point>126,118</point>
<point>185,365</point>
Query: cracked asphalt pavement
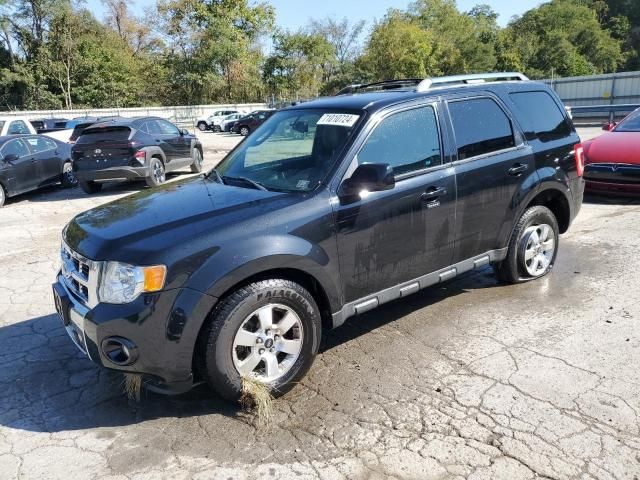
<point>470,379</point>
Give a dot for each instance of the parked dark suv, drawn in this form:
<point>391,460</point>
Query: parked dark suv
<point>133,148</point>
<point>327,210</point>
<point>247,124</point>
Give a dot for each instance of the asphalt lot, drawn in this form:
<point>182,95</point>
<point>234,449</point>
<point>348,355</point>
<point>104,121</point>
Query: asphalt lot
<point>468,380</point>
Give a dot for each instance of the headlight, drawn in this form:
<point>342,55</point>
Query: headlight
<point>123,283</point>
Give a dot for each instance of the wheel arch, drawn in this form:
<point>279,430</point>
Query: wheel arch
<point>555,200</point>
<point>157,152</point>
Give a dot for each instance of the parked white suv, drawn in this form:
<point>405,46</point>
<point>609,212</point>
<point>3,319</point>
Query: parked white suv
<point>212,122</point>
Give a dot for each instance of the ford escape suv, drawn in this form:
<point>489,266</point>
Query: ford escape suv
<point>329,209</point>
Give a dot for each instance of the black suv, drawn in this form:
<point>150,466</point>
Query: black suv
<point>327,210</point>
<point>133,148</point>
<point>247,124</point>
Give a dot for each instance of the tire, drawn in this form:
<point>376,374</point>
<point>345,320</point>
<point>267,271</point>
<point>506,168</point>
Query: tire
<point>219,355</point>
<point>532,249</point>
<point>158,174</point>
<point>217,129</point>
<point>68,179</point>
<point>196,166</point>
<point>90,187</point>
<point>244,130</point>
<point>202,126</point>
<point>3,195</point>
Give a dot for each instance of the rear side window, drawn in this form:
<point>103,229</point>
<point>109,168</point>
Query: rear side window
<point>408,141</point>
<point>541,116</point>
<point>104,134</point>
<point>480,127</point>
<point>41,144</point>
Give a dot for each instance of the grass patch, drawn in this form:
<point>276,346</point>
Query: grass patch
<point>132,385</point>
<point>256,398</point>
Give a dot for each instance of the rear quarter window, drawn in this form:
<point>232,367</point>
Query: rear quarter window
<point>540,115</point>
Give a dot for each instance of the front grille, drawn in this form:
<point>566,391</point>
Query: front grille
<point>613,173</point>
<point>80,275</point>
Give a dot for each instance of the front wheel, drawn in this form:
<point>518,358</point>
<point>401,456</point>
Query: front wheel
<point>196,166</point>
<point>244,131</point>
<point>157,174</point>
<point>202,126</point>
<point>3,195</point>
<point>533,247</point>
<point>90,187</point>
<point>268,331</point>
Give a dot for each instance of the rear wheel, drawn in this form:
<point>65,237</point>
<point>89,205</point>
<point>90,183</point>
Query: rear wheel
<point>202,126</point>
<point>244,130</point>
<point>90,187</point>
<point>196,166</point>
<point>216,128</point>
<point>533,247</point>
<point>157,174</point>
<point>267,331</point>
<point>68,178</point>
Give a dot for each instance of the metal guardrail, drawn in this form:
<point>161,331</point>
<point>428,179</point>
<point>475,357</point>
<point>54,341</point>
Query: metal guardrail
<point>611,110</point>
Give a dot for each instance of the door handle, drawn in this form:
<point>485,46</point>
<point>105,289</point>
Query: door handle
<point>432,193</point>
<point>518,169</point>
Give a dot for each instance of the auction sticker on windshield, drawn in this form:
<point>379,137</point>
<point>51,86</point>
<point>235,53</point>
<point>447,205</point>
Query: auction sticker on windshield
<point>339,119</point>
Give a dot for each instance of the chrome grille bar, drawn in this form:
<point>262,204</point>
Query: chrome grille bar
<point>80,275</point>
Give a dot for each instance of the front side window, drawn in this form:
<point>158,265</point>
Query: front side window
<point>15,147</point>
<point>541,115</point>
<point>480,127</point>
<point>292,151</point>
<point>18,127</point>
<point>167,128</point>
<point>629,124</point>
<point>408,141</point>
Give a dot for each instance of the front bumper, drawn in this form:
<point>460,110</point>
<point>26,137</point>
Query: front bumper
<point>623,179</point>
<point>114,173</point>
<point>163,326</point>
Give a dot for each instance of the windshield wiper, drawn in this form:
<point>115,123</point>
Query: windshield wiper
<point>253,183</point>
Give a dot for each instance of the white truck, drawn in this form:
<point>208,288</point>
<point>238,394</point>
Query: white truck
<point>16,126</point>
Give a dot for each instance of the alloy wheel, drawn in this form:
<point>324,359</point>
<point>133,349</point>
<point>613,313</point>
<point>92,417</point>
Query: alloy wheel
<point>268,343</point>
<point>158,172</point>
<point>539,245</point>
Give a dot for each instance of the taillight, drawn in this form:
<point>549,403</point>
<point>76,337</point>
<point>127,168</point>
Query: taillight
<point>579,154</point>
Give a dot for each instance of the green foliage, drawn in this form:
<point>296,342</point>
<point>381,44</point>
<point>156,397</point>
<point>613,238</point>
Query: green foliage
<point>55,53</point>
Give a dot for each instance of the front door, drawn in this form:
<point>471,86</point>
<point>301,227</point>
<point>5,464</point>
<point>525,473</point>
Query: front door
<point>390,237</point>
<point>48,158</point>
<point>23,175</point>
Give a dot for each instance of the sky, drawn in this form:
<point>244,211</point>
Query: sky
<point>293,14</point>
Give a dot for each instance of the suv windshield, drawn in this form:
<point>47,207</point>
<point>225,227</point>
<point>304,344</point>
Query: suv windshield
<point>630,124</point>
<point>292,151</point>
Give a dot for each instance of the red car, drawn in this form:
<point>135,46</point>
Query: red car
<point>612,160</point>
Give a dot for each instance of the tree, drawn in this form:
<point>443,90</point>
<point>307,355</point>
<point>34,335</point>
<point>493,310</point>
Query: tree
<point>398,48</point>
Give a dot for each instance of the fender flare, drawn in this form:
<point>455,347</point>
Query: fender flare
<point>153,151</point>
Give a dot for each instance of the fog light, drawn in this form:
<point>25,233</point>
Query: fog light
<point>119,350</point>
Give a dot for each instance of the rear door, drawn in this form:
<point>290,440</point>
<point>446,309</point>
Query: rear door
<point>48,158</point>
<point>390,237</point>
<point>494,169</point>
<point>22,174</point>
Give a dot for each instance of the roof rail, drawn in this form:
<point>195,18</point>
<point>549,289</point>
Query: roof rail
<point>384,85</point>
<point>428,83</point>
<point>422,85</point>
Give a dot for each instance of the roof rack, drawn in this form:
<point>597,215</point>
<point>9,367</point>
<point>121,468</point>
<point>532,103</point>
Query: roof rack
<point>473,78</point>
<point>422,85</point>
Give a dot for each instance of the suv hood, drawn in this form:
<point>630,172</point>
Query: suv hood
<point>138,226</point>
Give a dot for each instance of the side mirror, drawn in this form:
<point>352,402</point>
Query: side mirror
<point>12,157</point>
<point>369,177</point>
<point>607,127</point>
<point>184,132</point>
